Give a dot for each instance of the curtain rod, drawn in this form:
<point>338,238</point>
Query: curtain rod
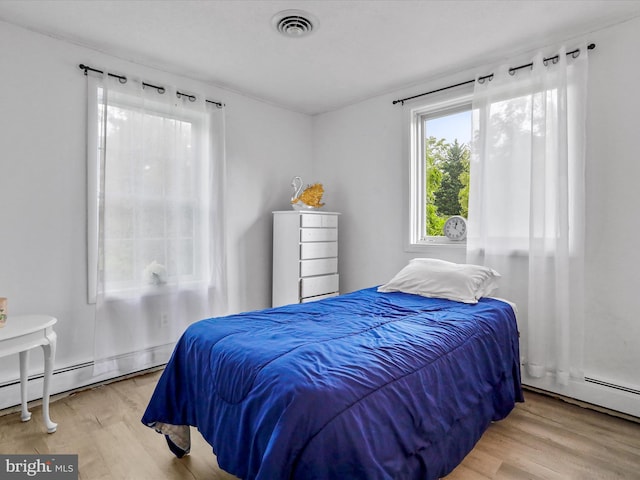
<point>122,79</point>
<point>554,59</point>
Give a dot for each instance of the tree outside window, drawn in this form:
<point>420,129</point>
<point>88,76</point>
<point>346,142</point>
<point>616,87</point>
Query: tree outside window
<point>446,156</point>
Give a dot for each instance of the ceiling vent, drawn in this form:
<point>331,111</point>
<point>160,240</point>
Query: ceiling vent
<point>294,23</point>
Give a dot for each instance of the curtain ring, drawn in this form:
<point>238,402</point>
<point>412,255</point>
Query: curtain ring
<point>191,98</point>
<point>157,88</point>
<point>575,54</point>
<point>122,80</point>
<point>481,80</point>
<point>512,72</point>
<point>555,59</point>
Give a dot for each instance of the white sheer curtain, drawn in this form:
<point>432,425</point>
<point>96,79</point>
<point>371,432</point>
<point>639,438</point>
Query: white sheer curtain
<point>156,219</point>
<point>526,203</point>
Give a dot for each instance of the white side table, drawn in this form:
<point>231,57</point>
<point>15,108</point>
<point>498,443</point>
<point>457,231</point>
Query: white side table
<point>21,334</point>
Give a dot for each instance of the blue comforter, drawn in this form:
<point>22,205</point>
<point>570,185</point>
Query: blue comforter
<point>366,385</point>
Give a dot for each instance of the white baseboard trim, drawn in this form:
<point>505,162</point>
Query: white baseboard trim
<point>598,394</point>
<point>82,375</point>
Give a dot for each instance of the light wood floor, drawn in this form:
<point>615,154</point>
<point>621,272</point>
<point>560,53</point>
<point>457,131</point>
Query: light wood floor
<point>542,439</point>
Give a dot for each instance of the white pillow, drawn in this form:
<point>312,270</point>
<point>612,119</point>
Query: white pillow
<point>431,277</point>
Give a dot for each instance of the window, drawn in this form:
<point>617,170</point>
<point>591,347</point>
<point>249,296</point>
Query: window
<point>153,210</point>
<point>152,205</point>
<point>440,138</point>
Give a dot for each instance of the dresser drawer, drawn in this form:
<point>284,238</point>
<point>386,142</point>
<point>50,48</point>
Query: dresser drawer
<point>310,287</point>
<point>318,250</point>
<point>318,234</point>
<point>319,221</point>
<point>319,297</point>
<point>320,266</point>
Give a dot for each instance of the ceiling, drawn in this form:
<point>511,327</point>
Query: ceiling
<point>361,48</point>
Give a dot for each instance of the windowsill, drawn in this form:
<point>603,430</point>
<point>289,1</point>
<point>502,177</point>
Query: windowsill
<point>436,242</point>
<point>451,245</point>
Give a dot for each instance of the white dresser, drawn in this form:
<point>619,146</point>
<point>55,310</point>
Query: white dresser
<point>305,256</point>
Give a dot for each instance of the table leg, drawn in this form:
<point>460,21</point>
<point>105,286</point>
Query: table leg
<point>49,355</point>
<point>25,416</point>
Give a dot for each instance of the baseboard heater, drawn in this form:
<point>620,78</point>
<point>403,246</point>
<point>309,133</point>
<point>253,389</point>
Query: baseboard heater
<point>612,385</point>
<point>167,348</point>
<point>55,372</point>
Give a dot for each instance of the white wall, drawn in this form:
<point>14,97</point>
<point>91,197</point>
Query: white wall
<point>360,152</point>
<point>613,194</point>
<point>43,187</point>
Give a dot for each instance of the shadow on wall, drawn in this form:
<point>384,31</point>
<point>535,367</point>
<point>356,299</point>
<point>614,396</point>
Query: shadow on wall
<point>250,277</point>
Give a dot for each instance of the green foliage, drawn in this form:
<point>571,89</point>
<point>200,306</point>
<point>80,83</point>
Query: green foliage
<point>452,166</point>
<point>463,194</point>
<point>447,182</point>
<point>435,150</point>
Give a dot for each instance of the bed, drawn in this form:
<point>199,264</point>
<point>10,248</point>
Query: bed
<point>367,385</point>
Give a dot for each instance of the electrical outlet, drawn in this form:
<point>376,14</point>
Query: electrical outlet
<point>164,319</point>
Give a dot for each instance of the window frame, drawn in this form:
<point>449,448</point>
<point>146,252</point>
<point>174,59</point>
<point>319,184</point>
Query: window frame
<point>131,288</point>
<point>149,201</point>
<point>416,240</point>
